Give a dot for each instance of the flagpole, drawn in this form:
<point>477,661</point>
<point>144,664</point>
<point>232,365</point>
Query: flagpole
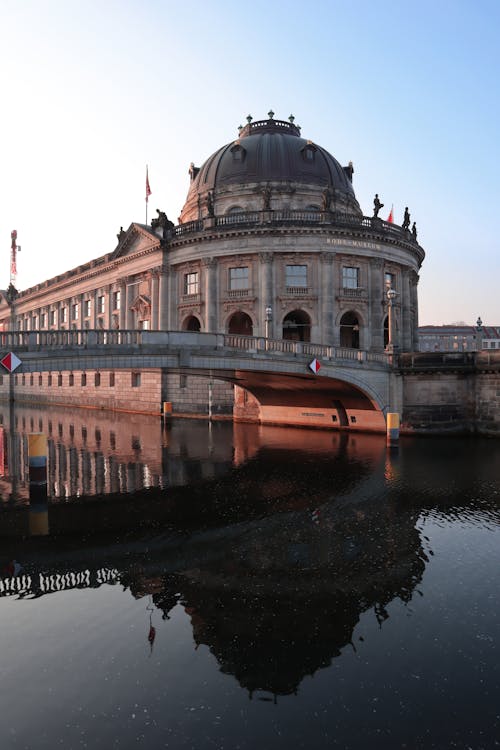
<point>147,195</point>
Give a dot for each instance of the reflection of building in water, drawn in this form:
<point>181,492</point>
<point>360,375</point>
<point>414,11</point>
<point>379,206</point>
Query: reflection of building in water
<point>97,452</point>
<point>285,601</point>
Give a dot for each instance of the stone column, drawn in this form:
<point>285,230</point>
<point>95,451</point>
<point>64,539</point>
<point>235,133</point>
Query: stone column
<point>123,308</point>
<point>266,293</point>
<point>129,314</point>
<point>155,302</point>
<point>406,339</point>
<point>172,299</point>
<point>326,298</point>
<point>414,279</point>
<point>210,266</point>
<point>163,298</point>
<point>377,304</point>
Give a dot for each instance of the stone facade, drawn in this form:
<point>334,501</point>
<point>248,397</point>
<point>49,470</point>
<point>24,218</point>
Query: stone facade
<point>271,242</point>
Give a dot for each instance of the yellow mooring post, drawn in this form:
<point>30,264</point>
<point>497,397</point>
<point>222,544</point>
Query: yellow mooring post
<point>39,513</point>
<point>393,429</point>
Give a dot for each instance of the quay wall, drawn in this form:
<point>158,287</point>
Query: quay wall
<point>143,391</point>
<point>439,402</point>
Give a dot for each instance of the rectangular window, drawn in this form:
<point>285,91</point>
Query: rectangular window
<point>97,379</point>
<point>390,280</point>
<point>43,320</point>
<point>101,304</point>
<point>191,284</point>
<point>52,317</point>
<point>87,308</point>
<point>116,300</point>
<point>84,379</point>
<point>238,278</point>
<point>64,314</point>
<point>111,379</point>
<point>296,276</point>
<point>74,311</point>
<point>35,323</point>
<point>136,379</point>
<point>350,277</point>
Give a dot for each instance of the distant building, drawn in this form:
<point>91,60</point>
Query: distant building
<point>458,338</point>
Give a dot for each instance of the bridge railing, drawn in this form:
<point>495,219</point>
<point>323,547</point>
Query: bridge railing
<point>159,340</point>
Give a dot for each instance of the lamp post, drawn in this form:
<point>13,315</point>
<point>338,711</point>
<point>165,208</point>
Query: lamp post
<point>268,319</point>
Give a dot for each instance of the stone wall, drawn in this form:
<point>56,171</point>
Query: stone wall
<point>451,402</point>
<point>142,391</point>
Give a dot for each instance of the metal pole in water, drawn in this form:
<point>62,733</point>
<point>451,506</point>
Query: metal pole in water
<point>393,429</point>
<point>39,514</point>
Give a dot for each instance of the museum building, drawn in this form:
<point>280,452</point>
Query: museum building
<point>271,241</point>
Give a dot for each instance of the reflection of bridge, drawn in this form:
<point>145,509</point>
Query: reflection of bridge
<point>352,387</point>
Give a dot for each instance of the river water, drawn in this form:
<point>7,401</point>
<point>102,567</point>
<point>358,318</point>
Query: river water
<point>250,587</point>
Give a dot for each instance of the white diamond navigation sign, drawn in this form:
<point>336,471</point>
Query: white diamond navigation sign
<point>10,362</point>
<point>315,366</point>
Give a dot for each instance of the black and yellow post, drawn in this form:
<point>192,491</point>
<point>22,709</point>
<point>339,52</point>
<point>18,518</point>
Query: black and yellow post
<point>39,513</point>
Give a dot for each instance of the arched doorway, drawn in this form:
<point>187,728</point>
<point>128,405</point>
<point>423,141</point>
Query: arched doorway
<point>240,323</point>
<point>297,326</point>
<point>191,324</point>
<point>386,331</point>
<point>349,330</point>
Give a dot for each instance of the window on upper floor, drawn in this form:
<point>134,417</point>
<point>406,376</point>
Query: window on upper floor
<point>296,276</point>
<point>74,311</point>
<point>238,278</point>
<point>191,283</point>
<point>350,277</point>
<point>101,304</point>
<point>390,280</point>
<point>64,314</point>
<point>116,300</point>
<point>87,308</point>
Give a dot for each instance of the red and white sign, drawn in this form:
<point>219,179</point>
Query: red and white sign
<point>10,362</point>
<point>315,366</point>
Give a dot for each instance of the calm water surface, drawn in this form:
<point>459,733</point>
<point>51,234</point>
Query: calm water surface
<point>289,589</point>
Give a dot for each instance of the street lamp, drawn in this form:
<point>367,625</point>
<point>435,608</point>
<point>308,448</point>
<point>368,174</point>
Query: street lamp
<point>391,296</point>
<point>268,318</point>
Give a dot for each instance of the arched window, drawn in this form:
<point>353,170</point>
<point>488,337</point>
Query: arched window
<point>349,330</point>
<point>191,324</point>
<point>297,326</point>
<point>240,323</point>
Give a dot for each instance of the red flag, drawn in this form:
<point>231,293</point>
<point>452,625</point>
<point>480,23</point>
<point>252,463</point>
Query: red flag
<point>390,218</point>
<point>148,189</point>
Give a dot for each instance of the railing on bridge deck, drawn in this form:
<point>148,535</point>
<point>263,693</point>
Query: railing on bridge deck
<point>98,338</point>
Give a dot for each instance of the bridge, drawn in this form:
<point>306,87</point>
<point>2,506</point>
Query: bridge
<point>276,372</point>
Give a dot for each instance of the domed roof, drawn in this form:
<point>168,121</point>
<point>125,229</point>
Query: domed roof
<point>270,151</point>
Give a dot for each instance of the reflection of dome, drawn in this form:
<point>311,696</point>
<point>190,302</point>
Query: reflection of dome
<point>271,152</point>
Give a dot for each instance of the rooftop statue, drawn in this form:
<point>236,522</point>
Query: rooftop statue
<point>377,205</point>
<point>406,219</point>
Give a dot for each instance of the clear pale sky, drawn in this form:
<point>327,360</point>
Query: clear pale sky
<point>94,91</point>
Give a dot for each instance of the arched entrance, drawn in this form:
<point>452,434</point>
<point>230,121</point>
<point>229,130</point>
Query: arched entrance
<point>349,330</point>
<point>240,323</point>
<point>297,326</point>
<point>191,324</point>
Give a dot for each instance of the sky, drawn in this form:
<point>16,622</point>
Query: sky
<point>93,91</point>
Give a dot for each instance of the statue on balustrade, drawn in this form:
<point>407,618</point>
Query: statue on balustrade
<point>326,199</point>
<point>163,222</point>
<point>406,219</point>
<point>210,204</point>
<point>377,205</point>
<point>267,192</point>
